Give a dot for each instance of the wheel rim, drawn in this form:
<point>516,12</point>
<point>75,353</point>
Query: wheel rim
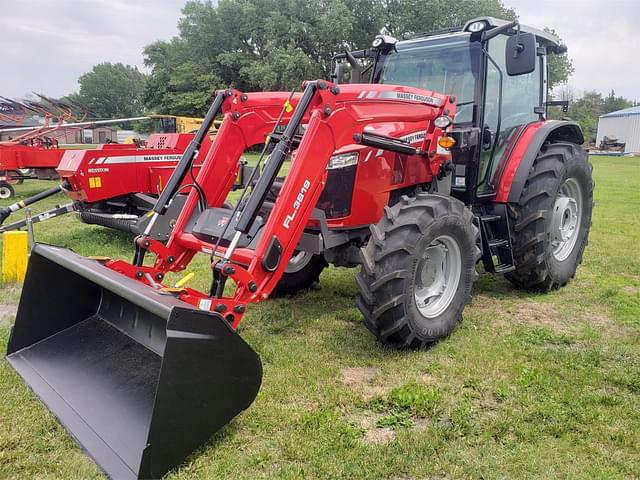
<point>298,262</point>
<point>5,192</point>
<point>566,219</point>
<point>437,276</point>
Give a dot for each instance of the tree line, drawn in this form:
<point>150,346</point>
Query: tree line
<point>257,45</point>
<point>587,108</point>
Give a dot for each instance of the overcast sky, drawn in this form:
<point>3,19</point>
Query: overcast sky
<point>48,44</point>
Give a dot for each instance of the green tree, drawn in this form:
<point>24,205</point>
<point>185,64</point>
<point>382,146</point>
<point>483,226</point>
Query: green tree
<point>612,103</point>
<point>274,44</point>
<point>112,90</point>
<point>586,111</point>
<point>560,65</point>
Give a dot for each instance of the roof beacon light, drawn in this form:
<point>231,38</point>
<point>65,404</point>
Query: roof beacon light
<point>384,42</point>
<point>476,27</point>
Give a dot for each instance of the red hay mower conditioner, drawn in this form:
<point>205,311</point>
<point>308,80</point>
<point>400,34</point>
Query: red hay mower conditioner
<point>413,185</point>
<point>115,185</point>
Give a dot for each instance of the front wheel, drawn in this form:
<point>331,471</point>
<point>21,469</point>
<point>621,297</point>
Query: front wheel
<point>303,270</point>
<point>417,270</point>
<point>552,218</point>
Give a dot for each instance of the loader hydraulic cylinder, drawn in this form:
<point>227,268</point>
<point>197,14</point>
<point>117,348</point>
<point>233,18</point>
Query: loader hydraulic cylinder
<point>189,155</point>
<point>271,169</point>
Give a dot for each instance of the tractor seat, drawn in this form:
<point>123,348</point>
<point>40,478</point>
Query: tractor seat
<point>211,223</point>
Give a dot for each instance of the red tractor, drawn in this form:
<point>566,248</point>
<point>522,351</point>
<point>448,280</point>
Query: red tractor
<point>413,185</point>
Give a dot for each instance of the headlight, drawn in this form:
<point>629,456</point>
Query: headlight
<point>442,122</point>
<point>343,160</point>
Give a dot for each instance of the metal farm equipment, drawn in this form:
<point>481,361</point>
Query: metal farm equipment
<point>413,185</point>
<point>35,152</point>
<point>115,185</point>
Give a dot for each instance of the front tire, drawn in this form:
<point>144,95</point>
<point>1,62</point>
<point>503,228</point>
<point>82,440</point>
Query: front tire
<point>303,270</point>
<point>552,218</point>
<point>417,270</point>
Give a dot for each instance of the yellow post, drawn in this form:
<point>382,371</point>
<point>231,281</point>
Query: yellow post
<point>14,256</point>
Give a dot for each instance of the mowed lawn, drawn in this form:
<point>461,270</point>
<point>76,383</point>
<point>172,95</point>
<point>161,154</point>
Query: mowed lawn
<point>529,385</point>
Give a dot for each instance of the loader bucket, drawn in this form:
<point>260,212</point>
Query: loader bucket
<point>139,379</point>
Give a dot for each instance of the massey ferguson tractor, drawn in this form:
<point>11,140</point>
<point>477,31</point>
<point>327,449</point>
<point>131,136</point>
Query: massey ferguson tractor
<point>444,158</point>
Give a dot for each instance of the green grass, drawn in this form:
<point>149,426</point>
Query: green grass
<point>529,386</point>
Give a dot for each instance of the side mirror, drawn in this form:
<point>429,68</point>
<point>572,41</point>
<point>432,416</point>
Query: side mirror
<point>520,54</point>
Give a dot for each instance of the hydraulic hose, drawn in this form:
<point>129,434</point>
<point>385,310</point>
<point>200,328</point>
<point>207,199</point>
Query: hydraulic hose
<point>14,207</point>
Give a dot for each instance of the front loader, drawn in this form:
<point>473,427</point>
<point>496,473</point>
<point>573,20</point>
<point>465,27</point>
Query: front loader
<point>412,185</point>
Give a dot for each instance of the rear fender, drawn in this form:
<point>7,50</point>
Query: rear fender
<point>523,154</point>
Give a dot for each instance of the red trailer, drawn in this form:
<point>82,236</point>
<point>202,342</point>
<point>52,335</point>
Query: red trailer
<point>41,160</point>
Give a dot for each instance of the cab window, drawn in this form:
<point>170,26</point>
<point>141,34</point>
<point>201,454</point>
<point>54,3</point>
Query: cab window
<point>520,95</point>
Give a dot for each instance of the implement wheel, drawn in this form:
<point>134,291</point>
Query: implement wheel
<point>11,174</point>
<point>551,221</point>
<point>6,190</point>
<point>417,270</point>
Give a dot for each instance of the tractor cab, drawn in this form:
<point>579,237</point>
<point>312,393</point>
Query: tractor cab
<point>497,71</point>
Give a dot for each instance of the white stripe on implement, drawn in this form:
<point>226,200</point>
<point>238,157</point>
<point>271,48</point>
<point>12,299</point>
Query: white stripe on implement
<point>142,158</point>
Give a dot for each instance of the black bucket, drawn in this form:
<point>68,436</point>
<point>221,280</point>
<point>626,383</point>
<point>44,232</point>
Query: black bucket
<point>139,379</point>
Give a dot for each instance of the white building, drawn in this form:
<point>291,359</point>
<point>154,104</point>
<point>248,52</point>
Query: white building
<point>623,125</point>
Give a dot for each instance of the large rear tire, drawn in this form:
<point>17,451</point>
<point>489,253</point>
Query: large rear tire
<point>552,218</point>
<point>417,270</point>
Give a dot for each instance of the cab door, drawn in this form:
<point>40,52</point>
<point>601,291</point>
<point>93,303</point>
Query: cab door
<point>504,120</point>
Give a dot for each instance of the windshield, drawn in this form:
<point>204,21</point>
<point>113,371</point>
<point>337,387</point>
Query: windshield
<point>448,66</point>
<point>165,125</point>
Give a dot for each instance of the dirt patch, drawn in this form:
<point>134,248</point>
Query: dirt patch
<point>379,436</point>
<point>359,376</point>
<point>531,313</point>
<point>421,424</point>
<point>537,313</point>
<point>436,477</point>
<point>631,289</point>
<point>483,301</point>
<point>7,313</point>
<point>361,380</point>
<point>367,420</point>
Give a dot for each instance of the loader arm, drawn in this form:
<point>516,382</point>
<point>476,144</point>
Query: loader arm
<point>333,116</point>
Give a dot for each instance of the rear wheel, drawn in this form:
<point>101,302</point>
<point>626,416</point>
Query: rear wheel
<point>551,221</point>
<point>6,191</point>
<point>417,270</point>
<point>303,270</point>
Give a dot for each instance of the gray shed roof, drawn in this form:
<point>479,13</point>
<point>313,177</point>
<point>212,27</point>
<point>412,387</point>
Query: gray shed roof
<point>625,112</point>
